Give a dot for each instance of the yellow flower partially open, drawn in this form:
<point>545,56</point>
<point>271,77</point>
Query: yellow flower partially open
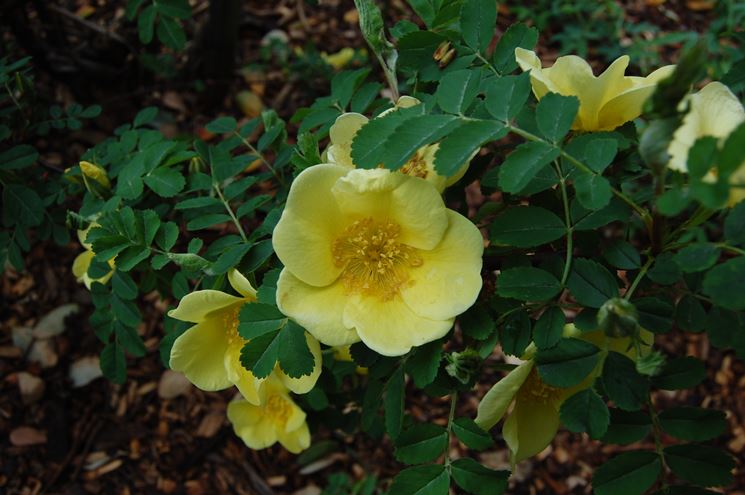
<point>83,261</point>
<point>421,164</point>
<point>714,111</point>
<point>276,419</point>
<point>535,419</point>
<point>606,101</point>
<point>376,256</point>
<point>209,352</point>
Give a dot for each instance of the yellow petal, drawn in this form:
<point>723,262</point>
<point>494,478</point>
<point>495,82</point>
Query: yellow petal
<point>573,76</point>
<point>309,224</point>
<point>296,417</point>
<point>389,327</point>
<point>410,202</point>
<point>317,309</point>
<point>81,264</point>
<point>251,425</point>
<point>628,104</point>
<point>195,307</point>
<point>305,383</point>
<point>403,102</point>
<point>529,61</point>
<point>449,279</point>
<point>341,135</point>
<point>241,284</point>
<point>199,353</point>
<point>248,385</point>
<point>529,429</point>
<point>297,440</point>
<point>714,111</point>
<point>496,401</point>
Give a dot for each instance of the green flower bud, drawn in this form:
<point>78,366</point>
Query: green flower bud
<point>618,318</point>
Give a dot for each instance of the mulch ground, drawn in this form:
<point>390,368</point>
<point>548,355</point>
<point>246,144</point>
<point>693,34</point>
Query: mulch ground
<point>156,433</point>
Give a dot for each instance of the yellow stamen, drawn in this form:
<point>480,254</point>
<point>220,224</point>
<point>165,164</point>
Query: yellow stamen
<point>374,262</point>
<point>536,391</point>
<point>416,167</point>
<point>231,321</point>
<point>278,408</point>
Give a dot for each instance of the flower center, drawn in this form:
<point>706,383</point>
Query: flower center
<point>278,409</point>
<point>416,167</point>
<point>374,262</point>
<point>536,391</point>
<point>231,321</point>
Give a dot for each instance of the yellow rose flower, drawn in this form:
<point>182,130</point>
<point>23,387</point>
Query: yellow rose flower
<point>276,419</point>
<point>606,101</point>
<point>82,262</point>
<point>209,352</point>
<point>714,111</point>
<point>422,164</point>
<point>376,256</point>
<point>535,416</point>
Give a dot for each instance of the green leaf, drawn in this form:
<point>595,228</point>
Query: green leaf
<point>21,206</point>
<point>731,154</point>
<point>680,373</point>
<point>720,280</point>
<point>697,257</point>
<point>555,114</point>
<point>515,335</point>
<point>145,116</point>
<point>599,153</point>
<point>700,464</point>
<point>549,327</point>
<point>18,157</point>
<point>131,257</point>
<point>526,226</point>
<point>517,35</point>
<point>130,340</point>
<point>422,442</point>
<point>457,90</point>
<point>567,363</point>
<point>631,473</point>
<point>393,403</point>
<point>527,284</point>
<point>174,8</point>
<point>593,191</point>
<point>627,427</point>
<point>423,365</point>
<point>586,411</point>
<point>258,319</point>
<point>205,221</point>
<point>585,219</point>
<point>371,141</point>
<point>522,165</point>
<point>664,270</point>
<point>655,314</point>
<point>432,479</point>
<point>690,314</point>
<point>222,125</point>
<point>461,144</point>
<point>477,21</point>
<point>591,283</point>
<point>259,355</point>
<point>294,356</point>
<point>477,479</point>
<point>694,424</point>
<point>189,261</point>
<point>146,24</point>
<point>734,224</point>
<point>371,25</point>
<point>413,134</point>
<point>620,254</point>
<point>165,182</point>
<point>623,384</point>
<point>344,84</point>
<point>167,235</point>
<point>471,434</point>
<point>124,286</point>
<point>506,96</point>
<point>477,323</point>
<point>171,34</point>
<point>673,202</point>
<point>114,362</point>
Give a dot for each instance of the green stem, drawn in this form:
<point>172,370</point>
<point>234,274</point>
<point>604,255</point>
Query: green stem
<point>256,152</point>
<point>731,249</point>
<point>568,222</point>
<point>639,277</point>
<point>701,215</point>
<point>451,418</point>
<point>657,432</point>
<point>487,64</point>
<point>643,213</point>
<point>390,77</point>
<point>230,212</point>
